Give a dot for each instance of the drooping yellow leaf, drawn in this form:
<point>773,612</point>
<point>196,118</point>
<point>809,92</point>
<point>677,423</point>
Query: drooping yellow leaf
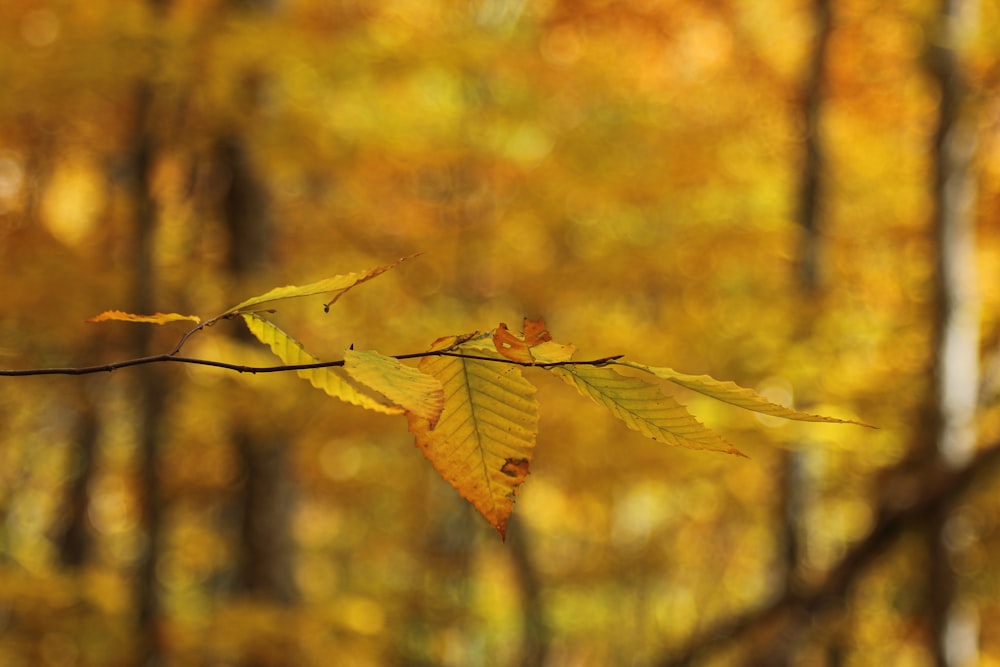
<point>643,407</point>
<point>338,285</point>
<point>482,444</point>
<point>732,393</point>
<point>334,381</point>
<point>408,387</point>
<point>156,318</point>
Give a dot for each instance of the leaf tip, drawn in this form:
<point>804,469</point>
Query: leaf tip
<point>501,527</point>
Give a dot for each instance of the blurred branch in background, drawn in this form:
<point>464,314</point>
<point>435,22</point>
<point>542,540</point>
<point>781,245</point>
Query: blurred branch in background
<point>927,493</point>
<point>152,384</point>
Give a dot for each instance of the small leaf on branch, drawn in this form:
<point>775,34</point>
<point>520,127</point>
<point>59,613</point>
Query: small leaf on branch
<point>482,444</point>
<point>156,318</point>
<point>408,387</point>
<point>452,342</point>
<point>732,393</point>
<point>510,346</point>
<point>337,284</point>
<point>643,407</point>
<point>536,331</point>
<point>334,381</point>
<point>536,347</point>
<point>551,352</point>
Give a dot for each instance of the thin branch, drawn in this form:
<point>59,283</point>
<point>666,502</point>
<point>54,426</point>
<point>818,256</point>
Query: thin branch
<point>603,361</point>
<point>171,357</point>
<point>191,332</point>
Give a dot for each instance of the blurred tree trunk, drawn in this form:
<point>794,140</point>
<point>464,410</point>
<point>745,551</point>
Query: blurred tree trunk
<point>956,360</point>
<point>811,189</point>
<point>74,539</point>
<point>536,635</point>
<point>794,478</point>
<point>150,391</point>
<point>957,353</point>
<point>266,547</point>
<point>265,564</point>
<point>446,550</point>
<point>151,388</point>
<point>265,569</point>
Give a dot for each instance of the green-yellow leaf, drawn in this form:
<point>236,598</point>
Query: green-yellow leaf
<point>338,285</point>
<point>333,381</point>
<point>732,393</point>
<point>408,387</point>
<point>482,444</point>
<point>155,318</point>
<point>643,407</point>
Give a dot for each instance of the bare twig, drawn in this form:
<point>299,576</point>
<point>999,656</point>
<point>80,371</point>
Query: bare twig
<point>603,361</point>
<point>172,357</point>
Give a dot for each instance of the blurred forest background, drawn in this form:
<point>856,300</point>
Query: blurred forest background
<point>802,196</point>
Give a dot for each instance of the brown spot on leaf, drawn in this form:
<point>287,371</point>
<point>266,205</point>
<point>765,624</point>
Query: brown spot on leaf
<point>515,468</point>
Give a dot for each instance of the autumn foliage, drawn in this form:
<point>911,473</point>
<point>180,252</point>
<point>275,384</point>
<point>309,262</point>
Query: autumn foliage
<point>469,407</point>
<point>803,197</point>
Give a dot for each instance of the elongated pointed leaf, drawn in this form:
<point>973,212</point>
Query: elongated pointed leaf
<point>334,381</point>
<point>337,285</point>
<point>482,444</point>
<point>643,407</point>
<point>732,393</point>
<point>408,387</point>
<point>155,318</point>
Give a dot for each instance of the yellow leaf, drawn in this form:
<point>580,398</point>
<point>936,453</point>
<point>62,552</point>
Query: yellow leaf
<point>333,381</point>
<point>643,407</point>
<point>338,284</point>
<point>732,393</point>
<point>452,342</point>
<point>408,387</point>
<point>156,318</point>
<point>482,444</point>
<point>552,352</point>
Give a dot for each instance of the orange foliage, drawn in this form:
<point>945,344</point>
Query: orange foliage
<point>629,169</point>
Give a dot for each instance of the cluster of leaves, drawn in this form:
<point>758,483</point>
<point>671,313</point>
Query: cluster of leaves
<point>468,404</point>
